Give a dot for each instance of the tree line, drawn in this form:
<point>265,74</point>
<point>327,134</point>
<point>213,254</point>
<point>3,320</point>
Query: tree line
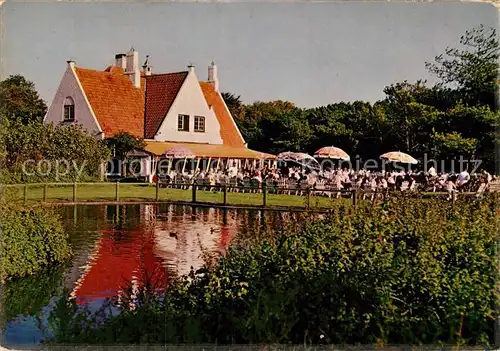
<point>457,116</point>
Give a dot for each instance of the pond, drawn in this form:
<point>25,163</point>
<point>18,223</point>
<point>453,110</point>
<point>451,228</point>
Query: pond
<point>116,244</point>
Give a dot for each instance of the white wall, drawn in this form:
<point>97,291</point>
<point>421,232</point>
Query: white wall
<point>190,101</point>
<point>70,86</point>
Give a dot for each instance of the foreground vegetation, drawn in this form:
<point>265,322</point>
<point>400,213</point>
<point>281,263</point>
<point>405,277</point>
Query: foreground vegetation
<point>408,271</point>
<point>32,238</point>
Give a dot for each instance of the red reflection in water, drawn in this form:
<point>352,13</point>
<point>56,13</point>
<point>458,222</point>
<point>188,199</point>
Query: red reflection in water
<point>146,251</point>
<point>116,262</point>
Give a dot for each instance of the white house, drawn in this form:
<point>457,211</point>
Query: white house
<point>167,110</point>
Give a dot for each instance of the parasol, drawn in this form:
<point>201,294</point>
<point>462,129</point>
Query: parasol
<point>300,158</point>
<point>397,156</point>
<point>333,153</point>
<point>179,152</point>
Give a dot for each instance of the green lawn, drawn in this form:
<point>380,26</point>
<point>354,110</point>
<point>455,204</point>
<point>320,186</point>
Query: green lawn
<point>144,192</point>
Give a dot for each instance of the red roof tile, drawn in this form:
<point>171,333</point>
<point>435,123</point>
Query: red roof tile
<point>161,90</point>
<point>228,130</point>
<point>117,104</point>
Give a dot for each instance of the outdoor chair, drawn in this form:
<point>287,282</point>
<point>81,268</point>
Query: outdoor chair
<point>303,186</point>
<point>291,186</point>
<point>270,186</point>
<point>233,183</point>
<point>177,180</point>
<point>331,190</point>
<point>480,191</point>
<point>281,187</point>
<point>246,185</point>
<point>255,186</point>
<point>319,188</point>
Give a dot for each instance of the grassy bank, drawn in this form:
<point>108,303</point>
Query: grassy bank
<point>144,192</point>
<point>406,272</point>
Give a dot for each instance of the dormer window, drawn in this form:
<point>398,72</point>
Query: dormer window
<point>199,124</point>
<point>69,110</point>
<point>183,123</point>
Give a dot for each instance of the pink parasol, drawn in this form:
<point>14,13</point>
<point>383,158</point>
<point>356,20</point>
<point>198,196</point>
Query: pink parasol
<point>179,152</point>
<point>333,153</point>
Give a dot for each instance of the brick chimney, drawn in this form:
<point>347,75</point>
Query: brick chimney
<point>132,67</point>
<point>212,76</point>
<point>120,61</point>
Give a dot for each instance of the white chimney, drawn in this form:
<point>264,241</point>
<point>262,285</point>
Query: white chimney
<point>120,61</point>
<point>132,67</point>
<point>147,69</point>
<point>212,76</point>
<point>71,63</point>
<point>190,67</point>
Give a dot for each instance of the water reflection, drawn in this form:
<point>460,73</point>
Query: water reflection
<point>116,244</point>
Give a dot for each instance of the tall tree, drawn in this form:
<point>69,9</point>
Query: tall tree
<point>234,104</point>
<point>452,146</point>
<point>20,101</point>
<point>410,120</point>
<point>122,143</point>
<point>473,68</point>
<point>275,126</point>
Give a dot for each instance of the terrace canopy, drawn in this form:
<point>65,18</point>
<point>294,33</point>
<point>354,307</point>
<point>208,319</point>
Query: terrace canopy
<point>214,151</point>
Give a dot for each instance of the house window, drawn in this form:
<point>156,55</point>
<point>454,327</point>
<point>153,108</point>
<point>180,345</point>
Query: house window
<point>183,123</point>
<point>69,110</point>
<point>199,123</point>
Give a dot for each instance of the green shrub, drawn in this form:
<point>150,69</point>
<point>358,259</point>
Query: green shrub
<point>409,271</point>
<point>22,147</point>
<point>32,238</point>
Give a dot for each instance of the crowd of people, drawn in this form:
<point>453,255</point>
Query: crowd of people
<point>331,182</point>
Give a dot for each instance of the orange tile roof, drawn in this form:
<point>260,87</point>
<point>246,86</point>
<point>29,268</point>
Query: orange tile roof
<point>208,150</point>
<point>117,104</point>
<point>228,130</point>
<point>161,90</point>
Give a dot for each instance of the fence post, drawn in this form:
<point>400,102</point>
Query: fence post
<point>453,197</point>
<point>44,193</point>
<point>25,192</point>
<point>74,192</point>
<point>354,197</point>
<point>224,189</point>
<point>264,194</point>
<point>194,192</point>
<point>157,189</point>
<point>308,198</point>
<point>117,191</point>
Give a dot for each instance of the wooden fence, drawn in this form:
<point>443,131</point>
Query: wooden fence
<point>188,193</point>
<point>76,192</point>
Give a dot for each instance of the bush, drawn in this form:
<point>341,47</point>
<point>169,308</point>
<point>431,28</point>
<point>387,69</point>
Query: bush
<point>409,271</point>
<point>24,146</point>
<point>32,238</point>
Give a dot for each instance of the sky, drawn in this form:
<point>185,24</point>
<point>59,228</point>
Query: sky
<point>311,54</point>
